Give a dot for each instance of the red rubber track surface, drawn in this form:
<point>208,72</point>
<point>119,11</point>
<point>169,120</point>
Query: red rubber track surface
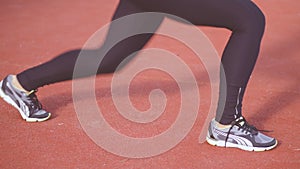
<point>33,32</point>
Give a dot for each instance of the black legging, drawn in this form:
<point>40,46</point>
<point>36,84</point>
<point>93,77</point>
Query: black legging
<point>242,17</point>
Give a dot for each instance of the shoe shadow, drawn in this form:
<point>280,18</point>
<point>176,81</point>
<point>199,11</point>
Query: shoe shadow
<point>276,104</point>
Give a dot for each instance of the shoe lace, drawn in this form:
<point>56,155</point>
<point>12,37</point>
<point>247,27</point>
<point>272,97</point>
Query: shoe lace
<point>244,126</point>
<point>33,101</point>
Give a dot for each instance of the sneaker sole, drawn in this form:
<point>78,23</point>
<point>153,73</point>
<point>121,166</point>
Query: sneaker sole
<point>221,143</point>
<point>11,102</point>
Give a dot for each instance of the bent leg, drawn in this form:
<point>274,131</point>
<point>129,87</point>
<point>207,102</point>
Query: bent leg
<point>247,23</point>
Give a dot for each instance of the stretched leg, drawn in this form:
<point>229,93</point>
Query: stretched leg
<point>20,91</point>
<point>61,68</point>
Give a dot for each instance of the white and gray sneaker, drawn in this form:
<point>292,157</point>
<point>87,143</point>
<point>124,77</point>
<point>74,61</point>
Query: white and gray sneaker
<point>27,104</point>
<point>239,135</point>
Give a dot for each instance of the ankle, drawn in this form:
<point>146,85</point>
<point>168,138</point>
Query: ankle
<point>17,85</point>
<point>222,126</point>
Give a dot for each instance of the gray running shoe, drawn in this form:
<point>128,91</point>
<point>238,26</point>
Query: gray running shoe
<point>239,135</point>
<point>28,105</point>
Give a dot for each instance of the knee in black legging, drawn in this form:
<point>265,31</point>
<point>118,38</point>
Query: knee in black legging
<point>252,21</point>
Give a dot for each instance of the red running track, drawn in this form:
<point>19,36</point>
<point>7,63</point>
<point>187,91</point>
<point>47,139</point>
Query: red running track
<point>33,32</point>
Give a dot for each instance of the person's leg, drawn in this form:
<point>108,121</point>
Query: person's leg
<point>247,24</point>
<point>19,90</point>
<point>61,68</point>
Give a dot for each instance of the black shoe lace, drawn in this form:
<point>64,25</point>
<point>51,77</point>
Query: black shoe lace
<point>244,126</point>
